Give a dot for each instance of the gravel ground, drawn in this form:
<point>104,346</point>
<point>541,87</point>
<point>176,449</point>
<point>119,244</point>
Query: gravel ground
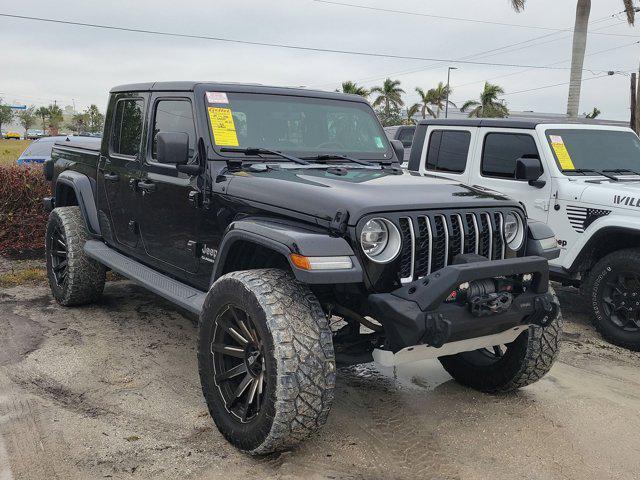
<point>112,391</point>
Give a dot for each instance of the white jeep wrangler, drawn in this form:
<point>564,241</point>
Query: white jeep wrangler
<point>582,179</point>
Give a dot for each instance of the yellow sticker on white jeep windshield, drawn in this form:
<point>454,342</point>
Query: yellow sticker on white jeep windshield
<point>562,154</point>
<point>222,126</point>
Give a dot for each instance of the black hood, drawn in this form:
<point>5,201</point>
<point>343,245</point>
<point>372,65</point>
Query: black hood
<point>320,193</point>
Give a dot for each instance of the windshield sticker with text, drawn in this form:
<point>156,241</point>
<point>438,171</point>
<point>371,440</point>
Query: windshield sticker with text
<point>217,97</point>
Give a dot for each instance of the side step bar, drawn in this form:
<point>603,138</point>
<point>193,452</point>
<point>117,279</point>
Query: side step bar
<point>176,292</point>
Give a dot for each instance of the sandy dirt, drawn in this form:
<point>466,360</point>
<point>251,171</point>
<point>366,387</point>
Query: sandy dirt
<point>112,391</point>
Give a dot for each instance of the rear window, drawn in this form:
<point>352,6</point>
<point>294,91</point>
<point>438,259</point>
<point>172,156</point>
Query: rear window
<point>448,150</point>
<point>406,136</point>
<point>502,150</point>
<point>127,127</point>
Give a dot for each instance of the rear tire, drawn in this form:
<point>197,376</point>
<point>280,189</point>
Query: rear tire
<point>74,278</point>
<point>520,363</point>
<point>613,280</point>
<point>266,360</point>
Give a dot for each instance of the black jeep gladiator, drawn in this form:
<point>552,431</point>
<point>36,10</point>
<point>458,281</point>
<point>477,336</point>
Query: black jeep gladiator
<point>282,219</point>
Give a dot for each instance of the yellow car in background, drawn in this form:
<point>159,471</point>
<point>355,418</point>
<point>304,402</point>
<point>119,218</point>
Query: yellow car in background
<point>12,136</point>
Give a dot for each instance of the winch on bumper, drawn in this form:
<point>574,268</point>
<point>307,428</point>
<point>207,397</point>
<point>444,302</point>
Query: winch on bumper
<point>471,298</point>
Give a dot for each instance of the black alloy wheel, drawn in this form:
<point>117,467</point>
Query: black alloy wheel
<point>239,365</point>
<point>621,300</point>
<point>58,253</point>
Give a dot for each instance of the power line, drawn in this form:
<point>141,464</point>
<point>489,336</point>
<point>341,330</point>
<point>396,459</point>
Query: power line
<point>460,19</point>
<point>554,63</point>
<point>274,45</point>
<point>486,53</point>
<point>550,86</point>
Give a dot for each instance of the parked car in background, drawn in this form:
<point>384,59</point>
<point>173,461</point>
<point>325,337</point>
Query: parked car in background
<point>39,151</point>
<point>403,133</point>
<point>12,136</point>
<point>35,134</point>
<point>581,178</point>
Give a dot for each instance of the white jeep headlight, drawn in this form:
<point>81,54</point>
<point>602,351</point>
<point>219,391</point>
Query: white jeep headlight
<point>514,230</point>
<point>380,240</point>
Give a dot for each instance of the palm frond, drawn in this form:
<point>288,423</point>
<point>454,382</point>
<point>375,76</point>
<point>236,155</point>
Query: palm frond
<point>468,104</point>
<point>518,5</point>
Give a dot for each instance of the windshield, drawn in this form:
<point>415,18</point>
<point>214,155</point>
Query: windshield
<point>594,149</point>
<point>300,125</point>
<point>38,148</point>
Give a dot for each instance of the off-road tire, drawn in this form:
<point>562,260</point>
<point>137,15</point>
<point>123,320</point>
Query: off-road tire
<point>526,360</point>
<point>299,359</point>
<point>610,264</point>
<point>84,281</point>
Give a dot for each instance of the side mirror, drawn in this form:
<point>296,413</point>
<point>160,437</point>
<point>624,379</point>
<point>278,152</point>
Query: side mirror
<point>530,168</point>
<point>172,147</point>
<point>398,149</point>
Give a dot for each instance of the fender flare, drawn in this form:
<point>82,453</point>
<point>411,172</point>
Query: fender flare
<point>285,237</point>
<point>597,236</point>
<point>81,185</point>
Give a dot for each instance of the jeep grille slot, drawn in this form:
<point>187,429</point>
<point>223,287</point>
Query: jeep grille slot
<point>432,241</point>
<point>407,252</point>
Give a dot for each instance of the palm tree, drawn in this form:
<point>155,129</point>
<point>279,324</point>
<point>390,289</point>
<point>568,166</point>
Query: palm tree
<point>411,112</point>
<point>43,113</point>
<point>583,10</point>
<point>354,89</point>
<point>425,101</point>
<point>489,105</point>
<point>438,97</point>
<point>390,96</point>
<point>55,118</point>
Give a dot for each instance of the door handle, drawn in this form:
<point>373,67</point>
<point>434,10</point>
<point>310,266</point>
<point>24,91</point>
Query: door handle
<point>146,187</point>
<point>111,177</point>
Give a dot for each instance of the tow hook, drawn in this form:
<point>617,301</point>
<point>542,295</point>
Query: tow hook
<point>545,310</point>
<point>490,303</point>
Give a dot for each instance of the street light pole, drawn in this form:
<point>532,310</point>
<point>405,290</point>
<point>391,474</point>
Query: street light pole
<point>446,106</point>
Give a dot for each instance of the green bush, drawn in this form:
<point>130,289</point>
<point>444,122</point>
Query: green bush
<point>22,218</point>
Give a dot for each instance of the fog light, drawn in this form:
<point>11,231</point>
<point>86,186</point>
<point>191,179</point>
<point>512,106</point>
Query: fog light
<point>527,277</point>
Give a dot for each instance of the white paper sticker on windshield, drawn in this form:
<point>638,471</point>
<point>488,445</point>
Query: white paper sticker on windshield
<point>217,97</point>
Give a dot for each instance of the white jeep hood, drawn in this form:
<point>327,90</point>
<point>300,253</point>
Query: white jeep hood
<point>623,194</point>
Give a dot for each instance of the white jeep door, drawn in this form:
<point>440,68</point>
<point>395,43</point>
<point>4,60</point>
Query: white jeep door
<point>496,153</point>
<point>447,152</point>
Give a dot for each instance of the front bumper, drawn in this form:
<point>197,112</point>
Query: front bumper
<point>417,313</point>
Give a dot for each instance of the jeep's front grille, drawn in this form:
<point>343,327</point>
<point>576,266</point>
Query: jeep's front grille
<point>431,241</point>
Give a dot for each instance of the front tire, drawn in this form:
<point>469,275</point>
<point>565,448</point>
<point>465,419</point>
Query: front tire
<point>74,278</point>
<point>507,368</point>
<point>266,360</point>
<point>614,291</point>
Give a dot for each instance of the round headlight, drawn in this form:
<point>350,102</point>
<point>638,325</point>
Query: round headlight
<point>380,240</point>
<point>513,230</point>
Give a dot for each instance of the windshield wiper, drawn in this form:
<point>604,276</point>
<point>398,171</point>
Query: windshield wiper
<point>597,172</point>
<point>264,151</point>
<point>621,171</point>
<point>332,156</point>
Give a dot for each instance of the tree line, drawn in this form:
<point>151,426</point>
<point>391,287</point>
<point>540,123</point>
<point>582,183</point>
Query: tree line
<point>390,107</point>
<point>51,119</point>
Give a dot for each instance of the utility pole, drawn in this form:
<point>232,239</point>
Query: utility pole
<point>446,105</point>
<point>632,122</point>
<point>636,126</point>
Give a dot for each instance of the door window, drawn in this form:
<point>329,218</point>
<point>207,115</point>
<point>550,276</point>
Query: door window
<point>127,127</point>
<point>502,150</point>
<point>174,116</point>
<point>448,150</point>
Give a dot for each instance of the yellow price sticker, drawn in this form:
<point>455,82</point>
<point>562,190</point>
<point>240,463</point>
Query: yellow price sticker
<point>222,126</point>
<point>562,154</point>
